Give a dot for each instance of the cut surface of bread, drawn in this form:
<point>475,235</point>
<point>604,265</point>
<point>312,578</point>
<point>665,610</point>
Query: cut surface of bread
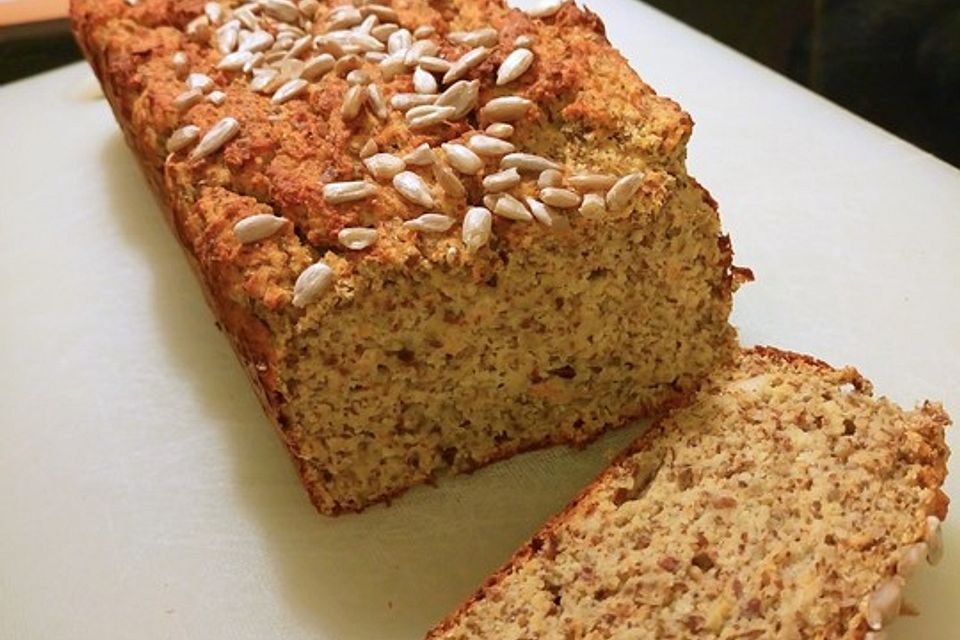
<point>784,502</point>
<point>411,352</point>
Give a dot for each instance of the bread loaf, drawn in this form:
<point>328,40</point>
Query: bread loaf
<point>784,502</point>
<point>438,233</point>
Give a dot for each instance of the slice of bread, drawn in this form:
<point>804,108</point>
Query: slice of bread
<point>784,502</point>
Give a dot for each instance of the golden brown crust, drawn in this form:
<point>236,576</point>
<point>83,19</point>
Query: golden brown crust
<point>933,457</point>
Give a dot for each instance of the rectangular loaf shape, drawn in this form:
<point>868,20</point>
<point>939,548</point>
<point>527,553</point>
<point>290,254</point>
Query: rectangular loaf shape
<point>435,344</point>
<point>785,501</point>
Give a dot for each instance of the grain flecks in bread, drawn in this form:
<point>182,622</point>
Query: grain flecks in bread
<point>785,501</point>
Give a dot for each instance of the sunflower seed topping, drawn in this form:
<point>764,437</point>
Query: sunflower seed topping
<point>413,188</point>
<point>436,115</point>
<point>366,27</point>
<point>419,49</point>
<point>399,41</point>
<point>625,189</point>
<point>357,238</point>
<point>550,178</point>
<point>289,90</point>
<point>463,159</point>
<point>353,102</point>
<point>378,104</point>
<point>560,198</point>
<point>346,64</point>
<point>187,99</point>
<point>214,12</point>
<point>216,98</point>
<point>593,205</point>
<point>228,35</point>
<point>181,64</point>
<point>200,82</point>
<point>340,192</point>
<point>514,66</point>
<point>500,130</point>
<point>448,180</point>
<point>934,540</point>
<point>246,18</point>
<point>407,101</point>
<point>883,605</point>
<point>234,61</point>
<point>477,227</point>
<point>911,558</point>
<point>502,181</point>
<point>485,145</point>
<point>382,32</point>
<point>434,64</point>
<point>421,156</point>
<point>384,166</point>
<point>586,182</point>
<point>505,109</point>
<point>424,31</point>
<point>311,283</point>
<point>317,66</point>
<point>343,17</point>
<point>528,162</point>
<point>545,8</point>
<point>183,138</point>
<point>257,227</point>
<point>485,37</point>
<point>509,207</point>
<point>309,8</point>
<point>265,80</point>
<point>368,149</point>
<point>256,41</point>
<point>282,10</point>
<point>544,214</point>
<point>218,135</point>
<point>430,223</point>
<point>358,76</point>
<point>424,82</point>
<point>465,64</point>
<point>462,96</point>
<point>525,41</point>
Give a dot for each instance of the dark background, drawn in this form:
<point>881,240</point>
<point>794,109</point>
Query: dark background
<point>895,62</point>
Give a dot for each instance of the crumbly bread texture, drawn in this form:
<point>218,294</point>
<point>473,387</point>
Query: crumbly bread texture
<point>784,502</point>
<point>425,355</point>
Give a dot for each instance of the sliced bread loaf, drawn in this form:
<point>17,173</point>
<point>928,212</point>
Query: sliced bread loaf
<point>784,502</point>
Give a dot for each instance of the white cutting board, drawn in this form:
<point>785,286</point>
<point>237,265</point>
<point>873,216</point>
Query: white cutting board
<point>143,494</point>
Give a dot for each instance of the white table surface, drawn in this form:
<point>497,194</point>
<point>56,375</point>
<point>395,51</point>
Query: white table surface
<point>143,494</point>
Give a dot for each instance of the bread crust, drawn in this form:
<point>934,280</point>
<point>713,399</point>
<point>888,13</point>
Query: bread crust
<point>938,455</point>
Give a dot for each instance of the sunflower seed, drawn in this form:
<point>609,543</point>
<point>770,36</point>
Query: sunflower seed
<point>421,156</point>
<point>514,66</point>
<point>550,178</point>
<point>376,57</point>
<point>434,64</point>
<point>384,166</point>
<point>477,227</point>
<point>413,188</point>
<point>505,109</point>
<point>256,41</point>
<point>501,181</point>
<point>934,540</point>
<point>200,82</point>
<point>358,76</point>
<point>265,81</point>
<point>381,11</point>
<point>378,104</point>
<point>312,282</point>
<point>352,38</point>
<point>187,99</point>
<point>544,214</point>
<point>625,189</point>
<point>586,182</point>
<point>257,227</point>
<point>234,61</point>
<point>353,102</point>
<point>510,207</point>
<point>500,130</point>
<point>246,18</point>
<point>181,64</point>
<point>486,145</point>
<point>255,61</point>
<point>485,37</point>
<point>291,69</point>
<point>424,31</point>
<point>218,135</point>
<point>465,64</point>
<point>419,49</point>
<point>448,180</point>
<point>183,138</point>
<point>301,46</point>
<point>228,35</point>
<point>214,12</point>
<point>883,605</point>
<point>343,17</point>
<point>329,45</point>
<point>526,41</point>
<point>216,98</point>
<point>346,64</point>
<point>368,149</point>
<point>282,10</point>
<point>283,43</point>
<point>435,116</point>
<point>340,192</point>
<point>490,200</point>
<point>463,159</point>
<point>399,40</point>
<point>528,162</point>
<point>317,66</point>
<point>308,8</point>
<point>424,82</point>
<point>357,238</point>
<point>367,25</point>
<point>274,58</point>
<point>911,558</point>
<point>408,101</point>
<point>382,32</point>
<point>198,29</point>
<point>461,95</point>
<point>430,223</point>
<point>289,90</point>
<point>545,8</point>
<point>560,198</point>
<point>392,66</point>
<point>593,206</point>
